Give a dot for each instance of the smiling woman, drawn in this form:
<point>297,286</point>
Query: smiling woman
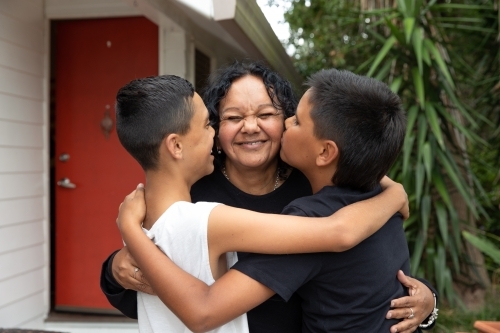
<point>248,104</point>
<point>249,134</point>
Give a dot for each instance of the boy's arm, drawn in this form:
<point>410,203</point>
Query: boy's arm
<point>234,229</point>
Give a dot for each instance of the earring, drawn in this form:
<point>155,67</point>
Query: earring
<point>219,151</point>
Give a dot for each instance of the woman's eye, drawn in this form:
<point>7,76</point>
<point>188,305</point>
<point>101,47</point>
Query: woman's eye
<point>234,118</point>
<point>266,115</point>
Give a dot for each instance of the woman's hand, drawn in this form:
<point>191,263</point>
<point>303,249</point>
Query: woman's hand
<point>387,183</point>
<point>128,274</point>
<point>132,210</point>
<point>413,309</point>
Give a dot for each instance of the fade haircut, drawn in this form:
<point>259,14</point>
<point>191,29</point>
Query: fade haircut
<point>366,121</point>
<point>279,90</point>
<point>149,109</point>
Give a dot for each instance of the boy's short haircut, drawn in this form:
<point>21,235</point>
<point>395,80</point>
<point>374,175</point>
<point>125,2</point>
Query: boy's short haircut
<point>366,121</point>
<point>149,109</point>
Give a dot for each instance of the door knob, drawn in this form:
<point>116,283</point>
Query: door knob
<point>66,183</point>
<point>64,157</point>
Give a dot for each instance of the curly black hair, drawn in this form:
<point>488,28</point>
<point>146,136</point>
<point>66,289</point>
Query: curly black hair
<point>279,90</point>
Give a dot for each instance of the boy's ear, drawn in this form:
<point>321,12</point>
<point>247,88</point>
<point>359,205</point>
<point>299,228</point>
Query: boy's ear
<point>329,154</point>
<point>173,145</point>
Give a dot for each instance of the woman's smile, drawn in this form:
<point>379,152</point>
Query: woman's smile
<point>251,144</point>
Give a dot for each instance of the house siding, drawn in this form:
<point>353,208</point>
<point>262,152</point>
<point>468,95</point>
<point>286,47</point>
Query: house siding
<point>23,216</point>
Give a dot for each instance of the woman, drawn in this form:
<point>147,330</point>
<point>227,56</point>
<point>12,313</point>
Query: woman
<point>248,104</point>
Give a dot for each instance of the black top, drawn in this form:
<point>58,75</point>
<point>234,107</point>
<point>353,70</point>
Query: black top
<point>348,291</point>
<point>272,316</point>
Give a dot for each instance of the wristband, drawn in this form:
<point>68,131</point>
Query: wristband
<point>433,316</point>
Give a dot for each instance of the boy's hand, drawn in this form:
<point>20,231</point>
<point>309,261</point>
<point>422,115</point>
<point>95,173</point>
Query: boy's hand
<point>133,209</point>
<point>421,302</point>
<point>127,273</point>
<point>387,183</point>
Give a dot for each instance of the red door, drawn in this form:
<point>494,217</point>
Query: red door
<point>93,172</point>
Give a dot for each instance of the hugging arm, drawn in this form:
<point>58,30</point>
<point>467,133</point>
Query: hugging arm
<point>120,280</point>
<point>123,299</point>
<point>201,307</point>
<point>234,229</point>
<point>116,274</point>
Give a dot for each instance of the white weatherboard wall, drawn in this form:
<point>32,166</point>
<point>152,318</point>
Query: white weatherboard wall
<point>24,284</point>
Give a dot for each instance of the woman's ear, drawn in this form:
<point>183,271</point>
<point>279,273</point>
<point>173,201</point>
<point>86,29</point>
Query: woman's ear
<point>173,145</point>
<point>329,154</point>
<point>217,145</point>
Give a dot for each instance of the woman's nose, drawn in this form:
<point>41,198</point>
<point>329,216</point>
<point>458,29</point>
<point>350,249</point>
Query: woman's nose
<point>250,125</point>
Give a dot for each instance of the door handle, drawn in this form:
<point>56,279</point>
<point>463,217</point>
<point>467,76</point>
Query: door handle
<point>66,183</point>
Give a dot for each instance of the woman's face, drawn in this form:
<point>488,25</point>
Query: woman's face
<point>251,127</point>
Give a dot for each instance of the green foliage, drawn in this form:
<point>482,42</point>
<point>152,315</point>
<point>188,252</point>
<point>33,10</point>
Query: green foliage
<point>486,162</point>
<point>443,60</point>
<point>484,245</point>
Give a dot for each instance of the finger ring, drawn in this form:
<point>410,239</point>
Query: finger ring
<point>412,314</point>
<point>136,269</point>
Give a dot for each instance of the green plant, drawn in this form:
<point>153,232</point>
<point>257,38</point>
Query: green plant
<point>437,56</point>
<point>485,245</point>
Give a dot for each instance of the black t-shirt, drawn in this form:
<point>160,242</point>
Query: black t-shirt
<point>272,316</point>
<point>341,292</point>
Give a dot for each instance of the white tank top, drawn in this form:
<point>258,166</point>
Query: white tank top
<point>181,233</point>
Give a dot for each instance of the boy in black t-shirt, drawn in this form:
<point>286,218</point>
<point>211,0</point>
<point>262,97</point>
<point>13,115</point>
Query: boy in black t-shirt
<point>354,128</point>
<point>346,134</point>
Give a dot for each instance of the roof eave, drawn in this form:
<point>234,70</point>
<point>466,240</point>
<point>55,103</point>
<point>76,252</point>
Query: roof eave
<point>247,24</point>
